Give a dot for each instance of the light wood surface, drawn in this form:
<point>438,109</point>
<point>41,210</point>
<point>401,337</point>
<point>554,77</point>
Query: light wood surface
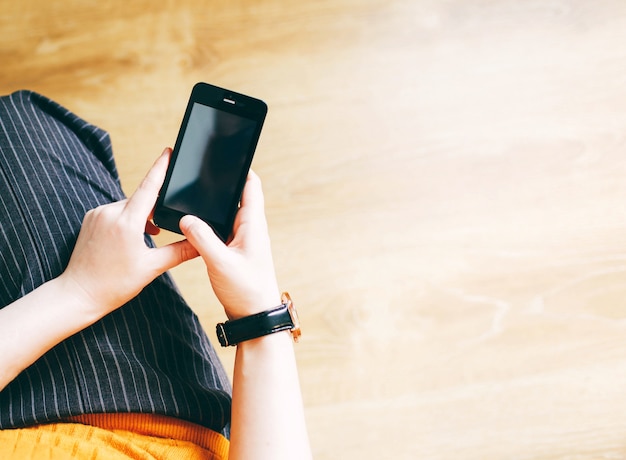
<point>445,184</point>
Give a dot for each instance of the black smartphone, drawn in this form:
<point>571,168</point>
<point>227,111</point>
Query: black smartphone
<point>211,159</point>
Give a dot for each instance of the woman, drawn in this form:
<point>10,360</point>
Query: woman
<point>99,354</point>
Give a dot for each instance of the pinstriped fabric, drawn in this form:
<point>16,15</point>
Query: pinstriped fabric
<point>151,355</point>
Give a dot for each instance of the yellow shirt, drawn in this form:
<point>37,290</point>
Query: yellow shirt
<point>114,437</point>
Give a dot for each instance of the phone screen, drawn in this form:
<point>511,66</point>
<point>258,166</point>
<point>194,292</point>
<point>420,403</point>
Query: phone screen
<point>213,152</point>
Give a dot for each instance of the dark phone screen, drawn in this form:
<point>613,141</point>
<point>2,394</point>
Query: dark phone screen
<point>213,152</point>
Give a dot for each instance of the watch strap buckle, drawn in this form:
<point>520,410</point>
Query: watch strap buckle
<point>221,335</point>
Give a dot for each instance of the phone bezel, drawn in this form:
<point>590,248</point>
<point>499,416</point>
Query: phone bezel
<point>212,96</point>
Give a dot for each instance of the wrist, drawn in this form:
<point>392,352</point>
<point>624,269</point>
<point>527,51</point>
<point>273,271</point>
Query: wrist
<point>256,303</point>
<point>269,341</point>
<point>282,317</point>
<point>84,307</point>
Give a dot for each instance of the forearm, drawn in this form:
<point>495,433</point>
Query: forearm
<point>267,415</point>
<point>35,323</point>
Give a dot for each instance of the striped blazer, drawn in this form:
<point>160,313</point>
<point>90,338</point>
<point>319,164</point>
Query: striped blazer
<point>151,355</point>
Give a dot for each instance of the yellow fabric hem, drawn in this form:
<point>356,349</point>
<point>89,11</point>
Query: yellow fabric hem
<point>114,437</point>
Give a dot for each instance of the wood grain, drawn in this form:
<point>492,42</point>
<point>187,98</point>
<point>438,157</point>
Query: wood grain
<point>445,184</point>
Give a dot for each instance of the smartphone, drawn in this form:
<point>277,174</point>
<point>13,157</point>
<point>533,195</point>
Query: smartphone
<point>211,159</point>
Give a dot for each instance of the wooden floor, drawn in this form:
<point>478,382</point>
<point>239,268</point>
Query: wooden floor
<point>445,185</point>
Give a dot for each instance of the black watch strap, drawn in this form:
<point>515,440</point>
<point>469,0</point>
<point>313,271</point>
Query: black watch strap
<point>281,318</point>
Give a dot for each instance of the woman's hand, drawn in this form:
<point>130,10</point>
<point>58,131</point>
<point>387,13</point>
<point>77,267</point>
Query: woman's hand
<point>111,263</point>
<point>242,271</point>
<point>267,412</point>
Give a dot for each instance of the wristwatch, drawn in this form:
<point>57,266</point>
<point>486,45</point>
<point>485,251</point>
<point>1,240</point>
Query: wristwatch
<point>281,318</point>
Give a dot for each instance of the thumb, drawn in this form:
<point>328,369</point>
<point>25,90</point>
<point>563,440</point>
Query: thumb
<point>173,254</point>
<point>201,236</point>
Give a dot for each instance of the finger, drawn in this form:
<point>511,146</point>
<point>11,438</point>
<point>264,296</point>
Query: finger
<point>252,211</point>
<point>252,195</point>
<point>152,229</point>
<point>141,203</point>
<point>171,255</point>
<point>202,237</point>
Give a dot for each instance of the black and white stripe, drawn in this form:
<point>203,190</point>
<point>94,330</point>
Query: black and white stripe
<point>151,355</point>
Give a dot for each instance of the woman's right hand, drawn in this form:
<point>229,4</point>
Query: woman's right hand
<point>242,271</point>
<point>111,263</point>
